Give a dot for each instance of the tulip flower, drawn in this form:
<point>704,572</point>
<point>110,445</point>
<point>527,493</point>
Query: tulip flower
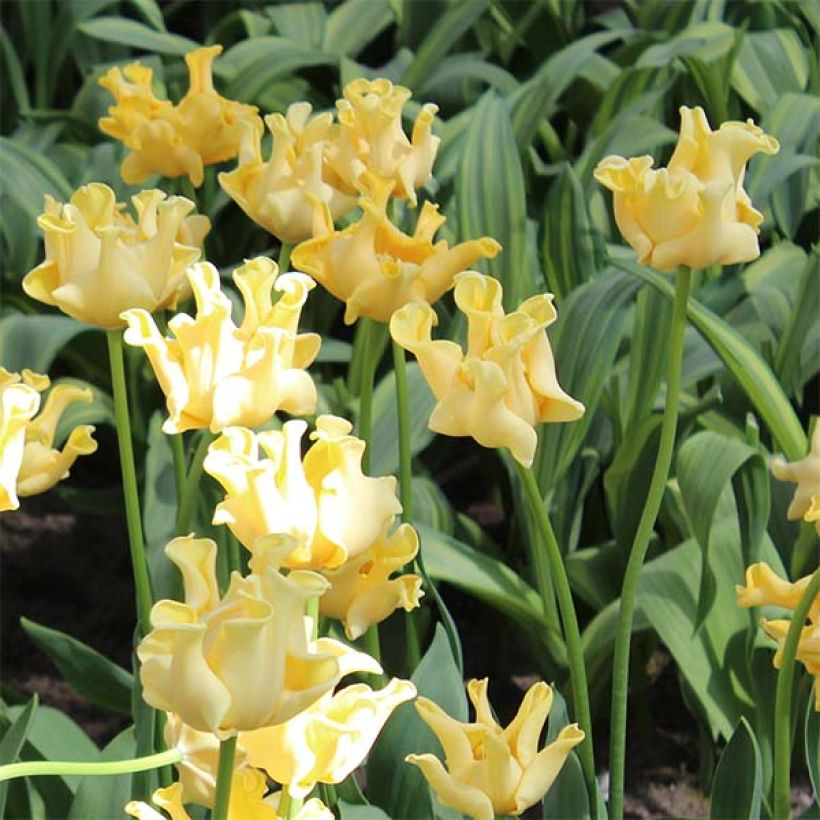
<point>327,741</point>
<point>362,593</point>
<point>695,212</point>
<point>505,383</point>
<point>99,262</point>
<point>492,771</point>
<point>375,268</point>
<point>284,194</point>
<point>371,138</point>
<point>214,373</point>
<point>324,502</point>
<point>29,462</point>
<point>203,129</point>
<point>806,474</point>
<point>765,588</point>
<point>242,661</point>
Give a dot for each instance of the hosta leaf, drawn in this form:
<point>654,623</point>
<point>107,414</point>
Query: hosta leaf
<point>138,35</point>
<point>737,790</point>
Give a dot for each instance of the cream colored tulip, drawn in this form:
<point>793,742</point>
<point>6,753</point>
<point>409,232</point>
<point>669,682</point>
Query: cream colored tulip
<point>371,138</point>
<point>806,474</point>
<point>327,741</point>
<point>695,212</point>
<point>374,268</point>
<point>362,593</point>
<point>492,771</point>
<point>19,402</point>
<point>215,374</point>
<point>324,502</point>
<point>285,193</point>
<point>99,262</point>
<point>242,661</point>
<point>505,383</point>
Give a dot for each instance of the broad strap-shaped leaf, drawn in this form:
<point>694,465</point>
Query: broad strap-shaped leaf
<point>99,798</point>
<point>737,788</point>
<point>28,174</point>
<point>35,341</point>
<point>133,33</point>
<point>811,736</point>
<point>354,23</point>
<point>12,742</point>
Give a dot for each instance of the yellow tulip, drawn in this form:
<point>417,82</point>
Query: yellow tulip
<point>493,771</point>
<point>371,138</point>
<point>243,661</point>
<point>695,212</point>
<point>375,268</point>
<point>214,373</point>
<point>99,262</point>
<point>327,741</point>
<point>765,588</point>
<point>806,474</point>
<point>362,593</point>
<point>29,462</point>
<point>505,383</point>
<point>203,129</point>
<point>324,501</point>
<point>283,195</point>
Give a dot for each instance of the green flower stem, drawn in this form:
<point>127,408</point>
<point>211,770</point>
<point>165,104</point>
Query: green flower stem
<point>620,669</point>
<point>551,553</point>
<point>34,768</point>
<point>178,455</point>
<point>222,799</point>
<point>288,807</point>
<point>190,493</point>
<point>368,367</point>
<point>284,257</point>
<point>783,703</point>
<point>234,554</point>
<point>139,562</point>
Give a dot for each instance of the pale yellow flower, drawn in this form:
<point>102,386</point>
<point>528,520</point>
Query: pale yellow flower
<point>695,212</point>
<point>374,268</point>
<point>806,474</point>
<point>505,383</point>
<point>29,462</point>
<point>242,661</point>
<point>324,501</point>
<point>372,140</point>
<point>765,588</point>
<point>214,373</point>
<point>493,771</point>
<point>173,140</point>
<point>327,741</point>
<point>285,193</point>
<point>99,262</point>
<point>362,593</point>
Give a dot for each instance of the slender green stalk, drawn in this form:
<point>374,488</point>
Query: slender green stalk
<point>190,493</point>
<point>288,806</point>
<point>139,562</point>
<point>284,256</point>
<point>222,799</point>
<point>178,455</point>
<point>620,669</point>
<point>783,702</point>
<point>234,554</point>
<point>551,553</point>
<point>805,554</point>
<point>34,768</point>
<point>368,368</point>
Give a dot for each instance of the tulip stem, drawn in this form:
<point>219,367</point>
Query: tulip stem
<point>660,474</point>
<point>572,635</point>
<point>368,367</point>
<point>190,492</point>
<point>34,768</point>
<point>284,256</point>
<point>222,799</point>
<point>783,702</point>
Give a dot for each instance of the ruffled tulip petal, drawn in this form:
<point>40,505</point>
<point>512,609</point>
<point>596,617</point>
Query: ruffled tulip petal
<point>806,474</point>
<point>451,792</point>
<point>18,405</point>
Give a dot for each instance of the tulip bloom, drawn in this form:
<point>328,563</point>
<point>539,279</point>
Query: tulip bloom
<point>505,384</point>
<point>806,474</point>
<point>29,462</point>
<point>374,268</point>
<point>371,138</point>
<point>695,212</point>
<point>324,501</point>
<point>327,741</point>
<point>493,771</point>
<point>203,129</point>
<point>283,194</point>
<point>99,262</point>
<point>362,593</point>
<point>765,588</point>
<point>214,373</point>
<point>243,661</point>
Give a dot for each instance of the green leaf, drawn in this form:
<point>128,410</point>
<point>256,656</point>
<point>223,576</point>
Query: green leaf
<point>491,199</point>
<point>27,175</point>
<point>398,787</point>
<point>91,674</point>
<point>567,796</point>
<point>100,410</point>
<point>354,23</point>
<point>349,811</point>
<point>34,341</point>
<point>707,41</point>
<point>737,789</point>
<point>138,35</point>
<point>301,23</point>
<point>811,736</point>
<point>100,798</point>
<point>12,742</point>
